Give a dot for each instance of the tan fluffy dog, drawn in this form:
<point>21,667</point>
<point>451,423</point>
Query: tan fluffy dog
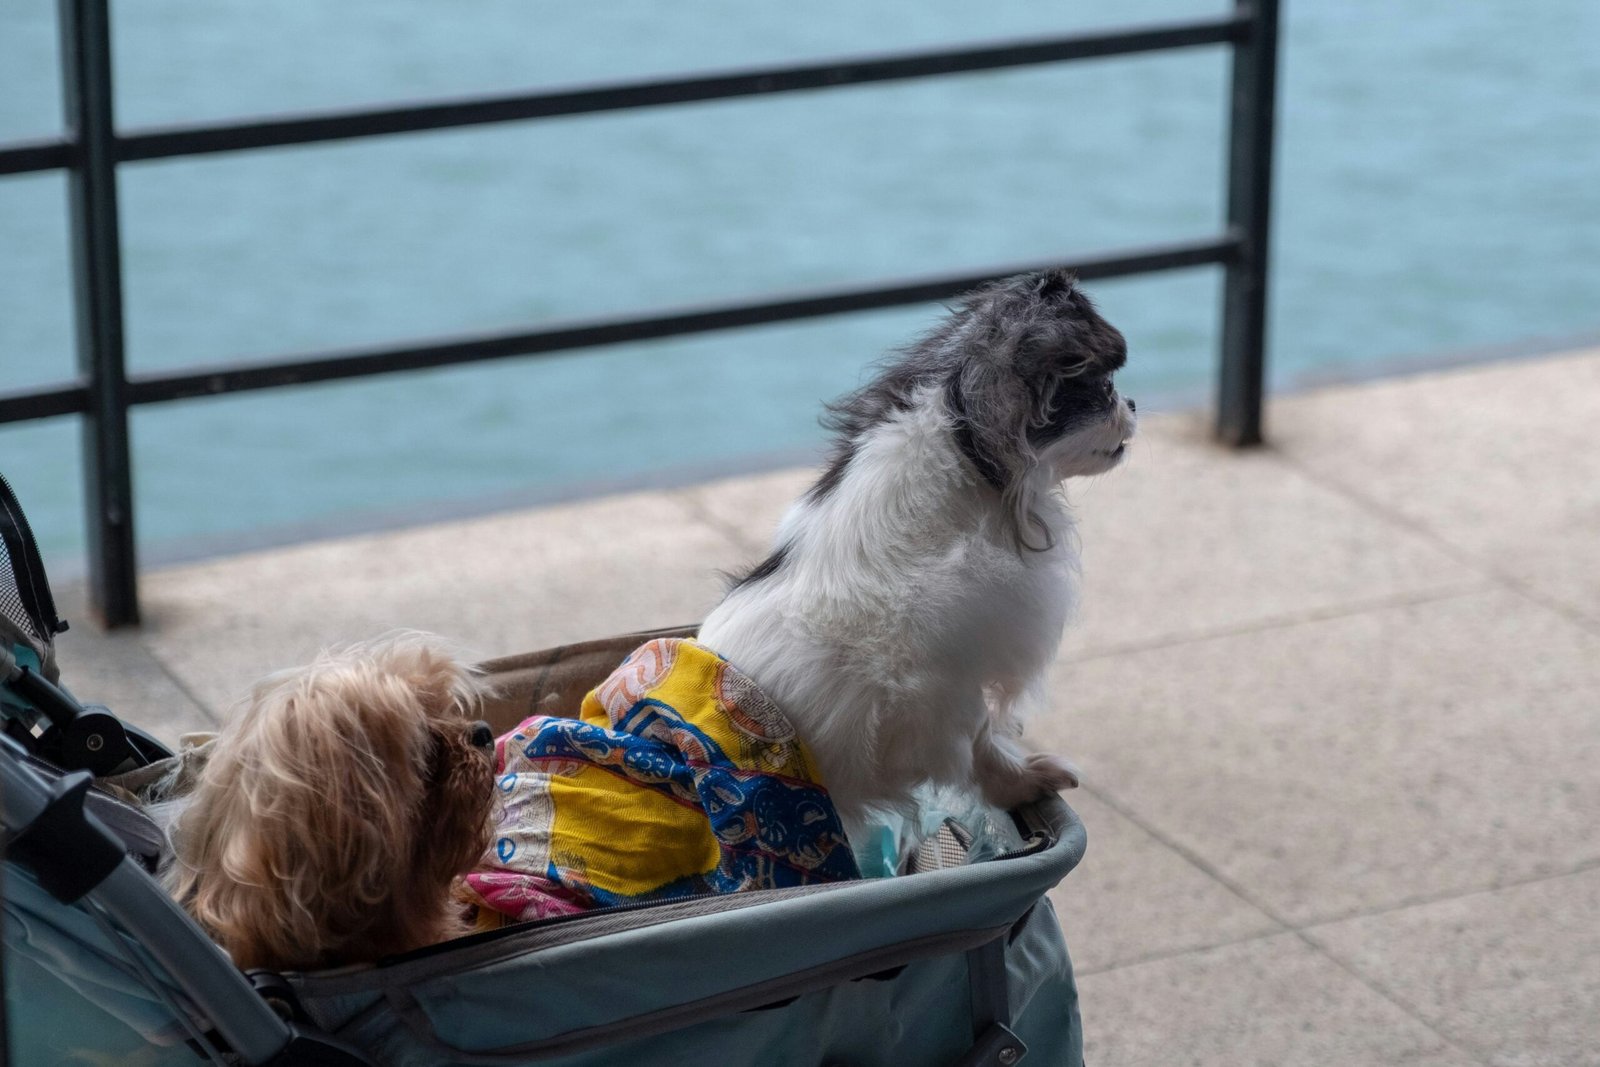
<point>337,807</point>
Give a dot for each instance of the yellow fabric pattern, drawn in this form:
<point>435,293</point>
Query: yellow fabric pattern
<point>678,776</point>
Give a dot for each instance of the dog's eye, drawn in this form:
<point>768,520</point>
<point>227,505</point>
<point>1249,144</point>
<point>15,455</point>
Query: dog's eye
<point>481,736</point>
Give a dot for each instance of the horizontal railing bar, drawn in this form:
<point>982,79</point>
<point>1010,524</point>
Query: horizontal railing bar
<point>307,128</point>
<point>22,405</point>
<point>21,157</point>
<point>568,336</point>
<point>73,398</point>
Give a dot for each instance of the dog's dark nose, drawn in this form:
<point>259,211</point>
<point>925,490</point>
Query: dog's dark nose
<point>1129,399</point>
<point>481,736</point>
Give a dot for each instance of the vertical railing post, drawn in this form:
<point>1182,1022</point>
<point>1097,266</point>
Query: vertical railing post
<point>1252,104</point>
<point>97,305</point>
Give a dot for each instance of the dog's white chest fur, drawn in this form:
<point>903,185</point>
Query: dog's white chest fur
<point>901,624</point>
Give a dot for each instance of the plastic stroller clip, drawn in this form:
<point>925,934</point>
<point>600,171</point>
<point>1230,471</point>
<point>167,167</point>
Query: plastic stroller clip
<point>996,1047</point>
<point>68,850</point>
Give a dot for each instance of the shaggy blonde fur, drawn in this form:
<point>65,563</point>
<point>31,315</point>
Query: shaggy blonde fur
<point>338,806</point>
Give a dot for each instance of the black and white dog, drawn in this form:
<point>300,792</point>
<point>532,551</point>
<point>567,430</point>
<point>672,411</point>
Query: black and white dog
<point>918,591</point>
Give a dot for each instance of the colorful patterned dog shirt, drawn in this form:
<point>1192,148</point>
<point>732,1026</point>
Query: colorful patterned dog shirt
<point>678,777</point>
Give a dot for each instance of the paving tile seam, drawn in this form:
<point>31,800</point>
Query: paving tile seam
<point>1451,591</point>
<point>693,503</point>
<point>1467,558</point>
<point>1193,858</point>
<point>178,682</point>
<point>1577,616</point>
<point>1383,994</point>
<point>1473,1053</point>
<point>1571,871</point>
<point>1304,932</point>
<point>1173,954</point>
<point>1200,863</point>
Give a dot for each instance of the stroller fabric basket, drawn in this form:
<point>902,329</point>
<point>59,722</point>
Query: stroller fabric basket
<point>963,964</point>
<point>897,971</point>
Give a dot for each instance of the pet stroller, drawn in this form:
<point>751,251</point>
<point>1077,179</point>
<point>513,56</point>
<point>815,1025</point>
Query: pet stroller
<point>960,963</point>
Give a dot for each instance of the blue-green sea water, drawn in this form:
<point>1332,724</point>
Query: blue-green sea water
<point>1438,188</point>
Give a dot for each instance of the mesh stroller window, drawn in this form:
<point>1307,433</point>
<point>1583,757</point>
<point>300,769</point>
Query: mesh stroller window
<point>11,605</point>
<point>25,601</point>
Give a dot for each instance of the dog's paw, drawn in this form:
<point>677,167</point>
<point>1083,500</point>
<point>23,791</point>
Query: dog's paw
<point>1050,774</point>
<point>1036,776</point>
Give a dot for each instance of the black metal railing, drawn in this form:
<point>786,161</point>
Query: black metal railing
<point>92,148</point>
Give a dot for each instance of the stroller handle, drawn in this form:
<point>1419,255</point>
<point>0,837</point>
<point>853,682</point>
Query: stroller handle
<point>138,906</point>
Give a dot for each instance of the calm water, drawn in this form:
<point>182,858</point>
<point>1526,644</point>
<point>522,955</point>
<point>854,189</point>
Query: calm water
<point>1439,188</point>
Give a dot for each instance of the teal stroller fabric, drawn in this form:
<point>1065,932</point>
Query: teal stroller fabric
<point>72,991</point>
<point>910,970</point>
<point>883,971</point>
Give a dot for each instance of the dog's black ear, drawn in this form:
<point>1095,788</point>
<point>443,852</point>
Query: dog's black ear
<point>1054,283</point>
<point>976,446</point>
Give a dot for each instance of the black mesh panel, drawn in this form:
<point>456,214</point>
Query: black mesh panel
<point>11,600</point>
